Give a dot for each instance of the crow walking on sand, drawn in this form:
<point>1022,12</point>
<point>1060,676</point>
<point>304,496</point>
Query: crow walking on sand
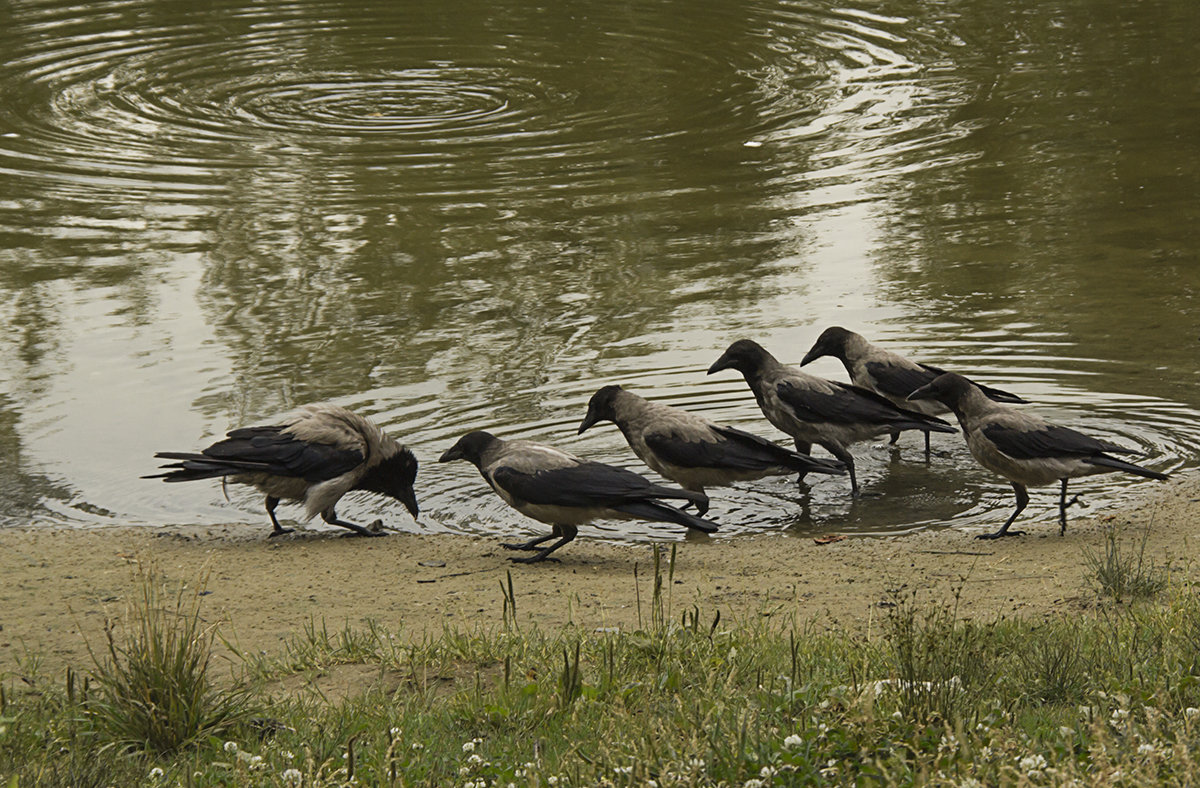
<point>887,373</point>
<point>1024,448</point>
<point>815,410</point>
<point>315,456</point>
<point>565,491</point>
<point>691,450</point>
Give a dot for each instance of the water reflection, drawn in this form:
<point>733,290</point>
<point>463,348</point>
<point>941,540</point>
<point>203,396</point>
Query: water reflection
<point>469,215</point>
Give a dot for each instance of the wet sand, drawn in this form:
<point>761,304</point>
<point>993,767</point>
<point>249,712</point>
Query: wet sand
<point>59,585</point>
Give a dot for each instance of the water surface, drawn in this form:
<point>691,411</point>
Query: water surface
<point>458,215</point>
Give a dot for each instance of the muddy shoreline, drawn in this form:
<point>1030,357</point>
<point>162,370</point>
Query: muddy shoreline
<point>59,585</point>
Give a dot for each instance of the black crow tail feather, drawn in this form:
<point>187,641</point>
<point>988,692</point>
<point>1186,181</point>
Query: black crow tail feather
<point>661,512</point>
<point>1121,465</point>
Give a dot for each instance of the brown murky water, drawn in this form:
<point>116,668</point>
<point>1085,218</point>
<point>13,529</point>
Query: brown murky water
<point>461,215</point>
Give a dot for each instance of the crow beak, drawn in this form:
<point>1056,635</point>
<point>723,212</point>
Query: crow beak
<point>453,453</point>
<point>590,420</point>
<point>409,499</point>
<point>925,392</point>
<point>724,362</point>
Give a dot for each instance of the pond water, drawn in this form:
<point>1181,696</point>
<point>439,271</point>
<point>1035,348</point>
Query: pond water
<point>455,215</point>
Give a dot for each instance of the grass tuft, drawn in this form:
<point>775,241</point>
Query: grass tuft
<point>154,687</point>
<point>1120,574</point>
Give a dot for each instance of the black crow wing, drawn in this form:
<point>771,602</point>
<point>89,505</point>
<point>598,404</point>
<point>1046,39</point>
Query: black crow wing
<point>900,381</point>
<point>848,404</point>
<point>588,484</point>
<point>1049,441</point>
<point>266,450</point>
<point>729,449</point>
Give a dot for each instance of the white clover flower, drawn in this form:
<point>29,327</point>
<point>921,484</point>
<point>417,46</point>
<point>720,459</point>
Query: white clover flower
<point>463,771</point>
<point>552,780</point>
<point>474,759</point>
<point>418,745</point>
<point>1191,712</point>
<point>1032,764</point>
<point>231,746</point>
<point>292,777</point>
<point>793,741</point>
<point>156,773</point>
<point>1119,714</point>
<point>623,769</point>
<point>288,755</point>
<point>766,772</point>
<point>696,763</point>
<point>753,782</point>
<point>518,772</point>
<point>394,731</point>
<point>469,746</point>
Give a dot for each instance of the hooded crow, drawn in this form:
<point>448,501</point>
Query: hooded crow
<point>565,491</point>
<point>318,454</point>
<point>1024,448</point>
<point>815,410</point>
<point>691,450</point>
<point>887,373</point>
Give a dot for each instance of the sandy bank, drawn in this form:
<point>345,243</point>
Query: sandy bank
<point>58,585</point>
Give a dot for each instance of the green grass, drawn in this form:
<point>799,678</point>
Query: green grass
<point>689,698</point>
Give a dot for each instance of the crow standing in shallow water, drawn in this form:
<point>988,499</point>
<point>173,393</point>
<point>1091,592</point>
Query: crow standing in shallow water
<point>565,491</point>
<point>691,450</point>
<point>887,373</point>
<point>1024,448</point>
<point>815,410</point>
<point>317,455</point>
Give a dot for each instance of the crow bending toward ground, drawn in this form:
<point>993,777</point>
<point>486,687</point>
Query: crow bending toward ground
<point>317,455</point>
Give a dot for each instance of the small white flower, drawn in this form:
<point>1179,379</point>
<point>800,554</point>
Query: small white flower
<point>469,746</point>
<point>230,746</point>
<point>793,741</point>
<point>463,771</point>
<point>766,772</point>
<point>696,763</point>
<point>552,780</point>
<point>156,773</point>
<point>288,755</point>
<point>292,776</point>
<point>623,769</point>
<point>418,745</point>
<point>1119,714</point>
<point>1145,749</point>
<point>394,731</point>
<point>1191,712</point>
<point>474,758</point>
<point>753,782</point>
<point>1031,764</point>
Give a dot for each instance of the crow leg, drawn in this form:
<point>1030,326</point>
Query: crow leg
<point>330,516</point>
<point>566,532</point>
<point>1022,502</point>
<point>272,502</point>
<point>1063,505</point>
<point>927,445</point>
<point>895,437</point>
<point>803,448</point>
<point>848,459</point>
<point>701,506</point>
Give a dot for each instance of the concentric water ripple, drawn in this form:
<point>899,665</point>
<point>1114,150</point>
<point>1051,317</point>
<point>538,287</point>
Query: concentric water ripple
<point>472,216</point>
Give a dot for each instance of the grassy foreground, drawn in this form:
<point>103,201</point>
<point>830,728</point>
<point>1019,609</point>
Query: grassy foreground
<point>690,698</point>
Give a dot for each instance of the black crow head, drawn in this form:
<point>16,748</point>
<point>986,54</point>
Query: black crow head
<point>745,355</point>
<point>470,447</point>
<point>947,388</point>
<point>832,342</point>
<point>395,476</point>
<point>600,407</point>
